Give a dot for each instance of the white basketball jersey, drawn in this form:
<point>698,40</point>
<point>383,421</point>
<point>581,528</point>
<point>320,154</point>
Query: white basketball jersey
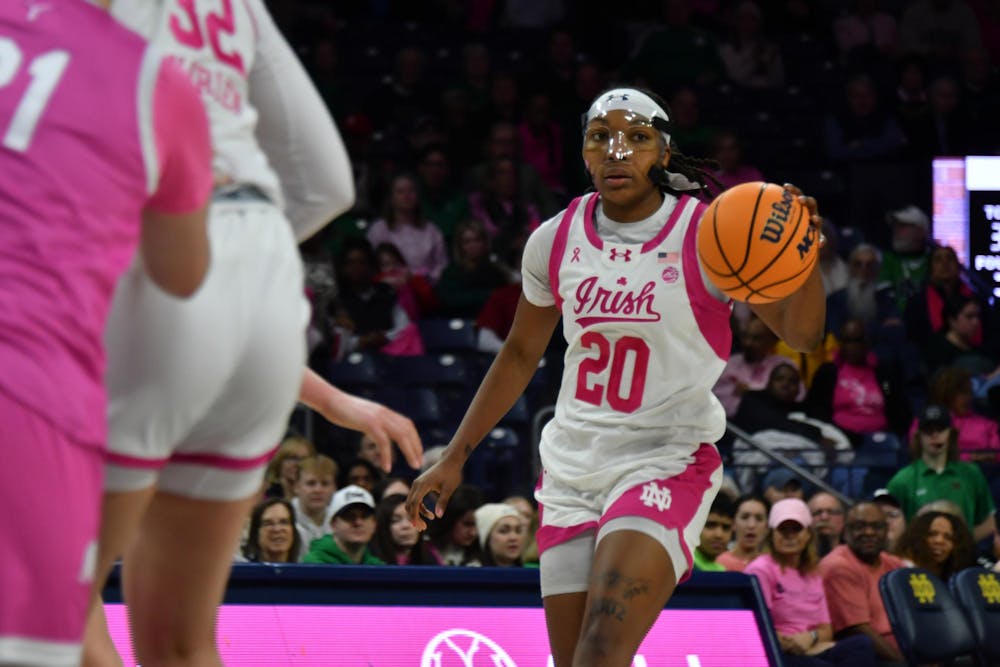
<point>216,43</point>
<point>646,343</point>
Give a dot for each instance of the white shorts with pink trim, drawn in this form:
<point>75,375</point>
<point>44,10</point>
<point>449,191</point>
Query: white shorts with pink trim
<point>669,503</point>
<point>52,494</point>
<point>201,390</point>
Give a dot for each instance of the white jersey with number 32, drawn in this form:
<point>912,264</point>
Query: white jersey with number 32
<point>216,42</point>
<point>646,343</point>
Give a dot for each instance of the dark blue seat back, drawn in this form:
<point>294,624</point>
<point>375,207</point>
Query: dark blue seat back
<point>978,592</point>
<point>928,623</point>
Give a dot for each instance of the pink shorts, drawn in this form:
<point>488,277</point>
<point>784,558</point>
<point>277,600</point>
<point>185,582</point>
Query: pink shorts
<point>52,490</point>
<point>670,505</point>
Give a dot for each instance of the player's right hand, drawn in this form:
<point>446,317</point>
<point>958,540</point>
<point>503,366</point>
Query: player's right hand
<point>441,479</point>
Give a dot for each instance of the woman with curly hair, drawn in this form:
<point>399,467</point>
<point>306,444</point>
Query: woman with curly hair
<point>939,542</point>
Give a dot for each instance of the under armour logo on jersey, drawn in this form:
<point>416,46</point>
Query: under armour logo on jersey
<point>622,281</point>
<point>625,255</point>
<point>576,255</point>
<point>656,496</point>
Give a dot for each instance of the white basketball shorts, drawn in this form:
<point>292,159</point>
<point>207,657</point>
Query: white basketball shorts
<point>200,390</point>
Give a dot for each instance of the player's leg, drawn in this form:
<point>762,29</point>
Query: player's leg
<point>168,360</point>
<point>565,573</point>
<point>632,579</point>
<point>174,577</point>
<point>121,514</point>
<point>182,555</point>
<point>51,489</point>
<point>645,543</point>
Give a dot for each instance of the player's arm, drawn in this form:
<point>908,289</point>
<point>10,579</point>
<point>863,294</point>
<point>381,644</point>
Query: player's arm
<point>297,133</point>
<point>178,154</point>
<point>504,383</point>
<point>800,318</point>
<point>385,426</point>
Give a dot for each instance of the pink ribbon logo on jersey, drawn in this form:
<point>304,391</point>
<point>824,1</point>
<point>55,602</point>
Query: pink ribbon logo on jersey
<point>599,304</point>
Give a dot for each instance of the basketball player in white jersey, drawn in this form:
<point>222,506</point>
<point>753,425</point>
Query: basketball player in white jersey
<point>629,471</point>
<point>201,391</point>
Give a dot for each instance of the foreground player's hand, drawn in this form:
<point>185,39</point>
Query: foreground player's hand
<point>385,427</point>
<point>441,479</point>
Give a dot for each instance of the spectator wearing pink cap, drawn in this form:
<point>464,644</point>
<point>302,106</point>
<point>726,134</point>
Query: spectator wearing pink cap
<point>793,592</point>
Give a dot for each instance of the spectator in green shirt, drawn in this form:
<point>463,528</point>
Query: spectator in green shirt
<point>353,524</point>
<point>936,474</point>
<point>716,535</point>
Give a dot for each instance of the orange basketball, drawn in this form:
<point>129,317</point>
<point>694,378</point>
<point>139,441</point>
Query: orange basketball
<point>756,244</point>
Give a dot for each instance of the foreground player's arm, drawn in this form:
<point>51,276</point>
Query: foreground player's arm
<point>800,318</point>
<point>504,383</point>
<point>178,150</point>
<point>383,425</point>
<point>297,134</point>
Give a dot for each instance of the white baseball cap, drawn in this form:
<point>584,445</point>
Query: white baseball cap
<point>351,496</point>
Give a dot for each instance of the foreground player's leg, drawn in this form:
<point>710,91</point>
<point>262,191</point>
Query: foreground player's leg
<point>632,579</point>
<point>174,590</point>
<point>121,514</point>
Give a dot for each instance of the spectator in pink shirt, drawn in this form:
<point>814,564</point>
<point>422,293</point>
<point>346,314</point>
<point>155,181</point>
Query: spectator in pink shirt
<point>793,592</point>
<point>750,369</point>
<point>850,579</point>
<point>978,437</point>
<point>855,392</point>
<point>420,240</point>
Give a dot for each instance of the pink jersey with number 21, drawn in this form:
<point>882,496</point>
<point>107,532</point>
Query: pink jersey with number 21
<point>93,130</point>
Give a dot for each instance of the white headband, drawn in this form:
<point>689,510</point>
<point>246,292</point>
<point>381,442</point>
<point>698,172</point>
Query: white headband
<point>626,99</point>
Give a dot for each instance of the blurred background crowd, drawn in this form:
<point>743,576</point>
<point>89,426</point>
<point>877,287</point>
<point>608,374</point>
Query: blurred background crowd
<point>462,118</point>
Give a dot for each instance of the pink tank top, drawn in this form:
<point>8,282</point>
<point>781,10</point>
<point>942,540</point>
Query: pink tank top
<point>93,130</point>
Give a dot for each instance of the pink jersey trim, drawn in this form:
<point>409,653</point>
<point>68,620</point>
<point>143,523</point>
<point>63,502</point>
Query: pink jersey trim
<point>126,461</point>
<point>590,224</point>
<point>559,248</point>
<point>183,144</point>
<point>209,460</point>
<point>667,228</point>
<point>224,462</point>
<point>686,496</point>
<point>711,314</point>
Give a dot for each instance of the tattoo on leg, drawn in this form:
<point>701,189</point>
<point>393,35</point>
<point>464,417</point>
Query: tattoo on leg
<point>608,607</point>
<point>632,586</point>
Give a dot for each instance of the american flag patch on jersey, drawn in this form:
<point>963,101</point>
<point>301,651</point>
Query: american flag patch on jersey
<point>667,257</point>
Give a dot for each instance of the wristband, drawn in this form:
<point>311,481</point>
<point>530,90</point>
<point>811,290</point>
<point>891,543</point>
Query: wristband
<point>815,637</point>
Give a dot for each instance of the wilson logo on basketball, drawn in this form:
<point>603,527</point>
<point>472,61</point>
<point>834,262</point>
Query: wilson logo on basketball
<point>775,225</point>
<point>600,304</point>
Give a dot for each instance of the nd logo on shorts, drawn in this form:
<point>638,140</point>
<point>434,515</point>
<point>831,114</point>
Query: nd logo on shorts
<point>670,501</point>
